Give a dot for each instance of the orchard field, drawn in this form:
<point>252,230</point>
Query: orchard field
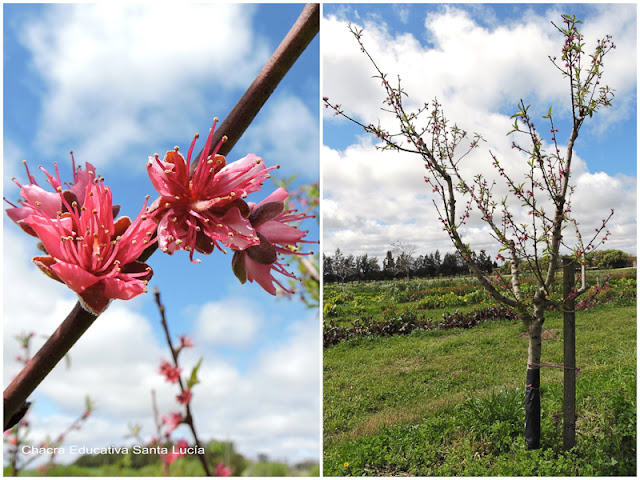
<point>424,377</point>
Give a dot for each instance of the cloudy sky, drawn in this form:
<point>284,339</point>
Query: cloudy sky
<point>116,84</point>
<point>478,61</point>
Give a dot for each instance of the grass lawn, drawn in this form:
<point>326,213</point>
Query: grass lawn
<point>451,402</point>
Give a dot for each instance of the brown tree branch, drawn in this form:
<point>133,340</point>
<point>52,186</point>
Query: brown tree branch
<point>56,347</point>
<point>241,116</point>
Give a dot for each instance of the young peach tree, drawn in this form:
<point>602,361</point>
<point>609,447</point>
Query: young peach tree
<point>544,194</point>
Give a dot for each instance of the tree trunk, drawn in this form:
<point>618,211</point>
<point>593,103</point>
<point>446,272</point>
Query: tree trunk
<point>532,391</point>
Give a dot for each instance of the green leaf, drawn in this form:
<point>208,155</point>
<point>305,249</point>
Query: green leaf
<point>194,375</point>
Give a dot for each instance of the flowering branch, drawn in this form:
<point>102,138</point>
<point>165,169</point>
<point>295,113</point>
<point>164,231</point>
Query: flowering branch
<point>52,220</point>
<point>173,373</point>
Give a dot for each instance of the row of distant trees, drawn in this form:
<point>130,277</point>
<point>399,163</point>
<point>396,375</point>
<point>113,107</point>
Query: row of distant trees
<point>401,262</point>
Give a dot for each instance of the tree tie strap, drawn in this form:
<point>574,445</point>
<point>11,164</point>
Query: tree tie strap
<point>553,365</point>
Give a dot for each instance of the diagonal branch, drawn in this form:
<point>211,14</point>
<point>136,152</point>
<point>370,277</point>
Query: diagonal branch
<point>241,116</point>
<point>56,347</point>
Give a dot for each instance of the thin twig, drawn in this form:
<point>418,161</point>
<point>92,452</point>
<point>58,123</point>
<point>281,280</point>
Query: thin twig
<point>156,420</point>
<point>188,418</point>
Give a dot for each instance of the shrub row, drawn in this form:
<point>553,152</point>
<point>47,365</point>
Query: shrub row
<point>407,322</point>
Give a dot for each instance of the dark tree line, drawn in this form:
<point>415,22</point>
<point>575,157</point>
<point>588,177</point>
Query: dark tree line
<point>348,268</point>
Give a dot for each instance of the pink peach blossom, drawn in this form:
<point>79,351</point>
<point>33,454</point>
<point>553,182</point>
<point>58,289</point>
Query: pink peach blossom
<point>172,422</point>
<point>197,213</point>
<point>270,219</point>
<point>92,254</point>
<point>171,373</point>
<point>184,397</point>
<point>176,452</point>
<point>38,201</point>
<point>222,470</point>
<point>185,342</point>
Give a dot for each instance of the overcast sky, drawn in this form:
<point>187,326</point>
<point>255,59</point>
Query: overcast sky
<point>116,84</point>
<point>478,61</point>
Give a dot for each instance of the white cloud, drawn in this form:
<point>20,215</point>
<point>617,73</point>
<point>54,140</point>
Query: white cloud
<point>402,12</point>
<point>373,198</point>
<point>464,65</point>
<point>121,75</point>
<point>232,321</point>
<point>269,406</point>
<point>282,392</point>
<point>274,407</point>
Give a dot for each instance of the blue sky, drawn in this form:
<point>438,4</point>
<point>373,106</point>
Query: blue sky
<point>478,60</point>
<point>117,84</point>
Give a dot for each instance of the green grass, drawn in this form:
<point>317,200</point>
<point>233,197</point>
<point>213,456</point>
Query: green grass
<point>450,403</point>
<point>427,298</point>
<point>181,468</point>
